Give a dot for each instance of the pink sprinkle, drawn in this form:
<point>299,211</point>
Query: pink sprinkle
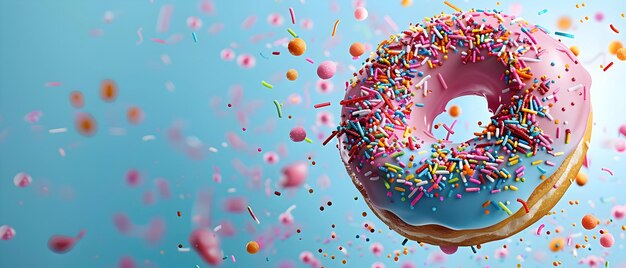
<point>540,228</point>
<point>459,196</point>
<point>293,16</point>
<point>443,82</point>
<point>310,60</point>
<point>53,84</point>
<point>165,14</point>
<point>607,170</point>
<point>473,189</point>
<point>392,24</point>
<point>140,36</point>
<point>232,257</point>
<point>160,41</point>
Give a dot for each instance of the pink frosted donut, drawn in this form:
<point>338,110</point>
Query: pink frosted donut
<point>516,167</point>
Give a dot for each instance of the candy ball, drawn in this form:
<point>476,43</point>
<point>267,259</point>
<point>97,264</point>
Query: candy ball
<point>618,212</point>
<point>252,247</point>
<point>622,130</point>
<point>454,111</point>
<point>357,49</point>
<point>297,134</point>
<point>557,244</point>
<point>607,240</point>
<point>22,179</point>
<point>621,54</point>
<point>292,74</point>
<point>564,23</point>
<point>448,249</point>
<point>6,232</point>
<point>326,69</point>
<point>360,13</point>
<point>581,179</point>
<point>589,222</point>
<point>575,50</point>
<point>296,46</point>
<point>614,46</point>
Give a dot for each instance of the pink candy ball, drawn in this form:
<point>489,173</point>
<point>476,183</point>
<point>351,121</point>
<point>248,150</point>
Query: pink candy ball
<point>449,249</point>
<point>297,134</point>
<point>324,86</point>
<point>622,130</point>
<point>326,70</point>
<point>376,249</point>
<point>133,177</point>
<point>275,19</point>
<point>360,13</point>
<point>607,240</point>
<point>378,265</point>
<point>246,61</point>
<point>227,54</point>
<point>618,212</point>
<point>6,232</point>
<point>22,179</point>
<point>270,158</point>
<point>194,23</point>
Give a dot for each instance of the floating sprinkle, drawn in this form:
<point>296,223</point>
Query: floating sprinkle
<point>607,170</point>
<point>404,242</point>
<point>263,56</point>
<point>266,84</point>
<point>608,66</point>
<point>291,32</point>
<point>278,109</point>
<point>564,34</point>
<point>195,38</point>
<point>540,228</point>
<point>320,105</point>
<point>335,28</point>
<point>506,209</point>
<point>308,140</point>
<point>310,60</point>
<point>614,29</point>
<point>542,12</point>
<point>253,216</point>
<point>57,130</point>
<point>455,8</point>
<point>140,36</point>
<point>293,16</point>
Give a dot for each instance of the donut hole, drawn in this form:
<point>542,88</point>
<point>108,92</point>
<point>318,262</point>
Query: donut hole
<point>469,110</point>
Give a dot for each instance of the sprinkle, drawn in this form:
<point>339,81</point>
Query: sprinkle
<point>542,12</point>
<point>53,84</point>
<point>253,216</point>
<point>452,6</point>
<point>183,249</point>
<point>232,257</point>
<point>278,109</point>
<point>291,32</point>
<point>266,84</point>
<point>524,204</point>
<point>540,228</point>
<point>608,66</point>
<point>148,138</point>
<point>310,60</point>
<point>473,249</point>
<point>178,213</point>
<point>277,193</point>
<point>443,82</point>
<point>276,53</point>
<point>405,240</point>
<point>607,170</point>
<point>195,38</point>
<point>564,34</point>
<point>614,29</point>
<point>57,130</point>
<point>503,207</point>
<point>308,140</point>
<point>140,36</point>
<point>217,228</point>
<point>293,16</point>
<point>335,28</point>
<point>320,105</point>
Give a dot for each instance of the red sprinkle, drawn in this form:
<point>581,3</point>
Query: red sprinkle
<point>524,204</point>
<point>614,29</point>
<point>276,53</point>
<point>608,66</point>
<point>320,105</point>
<point>178,213</point>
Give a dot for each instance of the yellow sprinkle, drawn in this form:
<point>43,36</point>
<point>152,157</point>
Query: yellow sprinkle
<point>452,6</point>
<point>528,111</point>
<point>399,189</point>
<point>513,188</point>
<point>536,162</point>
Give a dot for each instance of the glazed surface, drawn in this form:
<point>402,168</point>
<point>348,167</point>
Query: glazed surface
<point>533,84</point>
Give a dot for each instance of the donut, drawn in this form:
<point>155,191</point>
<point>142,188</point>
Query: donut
<point>515,168</point>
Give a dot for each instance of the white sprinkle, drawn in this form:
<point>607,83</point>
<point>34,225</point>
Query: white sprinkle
<point>62,152</point>
<point>148,138</point>
<point>217,228</point>
<point>576,87</point>
<point>183,249</point>
<point>213,149</point>
<point>231,190</point>
<point>529,59</point>
<point>374,178</point>
<point>57,130</point>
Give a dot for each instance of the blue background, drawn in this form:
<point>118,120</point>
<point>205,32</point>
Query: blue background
<point>69,42</point>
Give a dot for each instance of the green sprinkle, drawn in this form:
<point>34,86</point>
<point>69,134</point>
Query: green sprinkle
<point>280,112</point>
<point>292,32</point>
<point>266,84</point>
<point>453,180</point>
<point>503,207</point>
<point>308,140</point>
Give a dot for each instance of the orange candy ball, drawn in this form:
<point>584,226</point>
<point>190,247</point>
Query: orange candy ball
<point>108,90</point>
<point>575,50</point>
<point>564,23</point>
<point>76,99</point>
<point>454,110</point>
<point>614,46</point>
<point>581,179</point>
<point>589,222</point>
<point>357,49</point>
<point>85,124</point>
<point>292,74</point>
<point>621,54</point>
<point>134,115</point>
<point>252,247</point>
<point>557,244</point>
<point>296,47</point>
